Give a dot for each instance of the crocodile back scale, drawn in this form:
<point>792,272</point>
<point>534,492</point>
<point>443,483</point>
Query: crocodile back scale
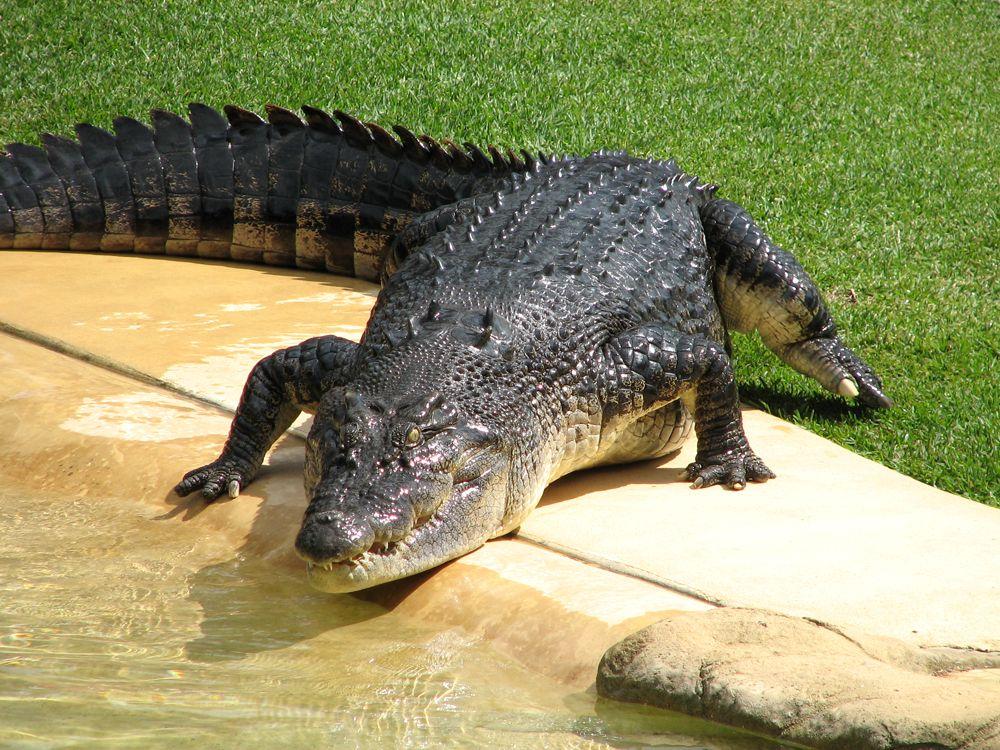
<point>327,193</point>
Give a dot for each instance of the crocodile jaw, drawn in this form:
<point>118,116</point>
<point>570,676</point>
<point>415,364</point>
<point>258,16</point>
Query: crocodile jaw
<point>468,519</point>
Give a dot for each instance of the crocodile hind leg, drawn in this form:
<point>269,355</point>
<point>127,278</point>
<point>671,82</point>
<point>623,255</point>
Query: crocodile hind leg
<point>760,286</point>
<point>653,365</point>
<point>279,388</point>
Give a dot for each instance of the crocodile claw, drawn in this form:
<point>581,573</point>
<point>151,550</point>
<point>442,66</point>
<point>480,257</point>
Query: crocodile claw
<point>862,384</point>
<point>222,475</point>
<point>731,470</point>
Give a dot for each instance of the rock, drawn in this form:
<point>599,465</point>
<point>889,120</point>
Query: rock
<point>808,682</point>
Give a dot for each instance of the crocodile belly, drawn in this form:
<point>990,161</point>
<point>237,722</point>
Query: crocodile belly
<point>654,434</point>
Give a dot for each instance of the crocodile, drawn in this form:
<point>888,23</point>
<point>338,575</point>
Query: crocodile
<point>537,314</point>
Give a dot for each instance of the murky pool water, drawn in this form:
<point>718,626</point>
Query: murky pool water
<point>108,641</point>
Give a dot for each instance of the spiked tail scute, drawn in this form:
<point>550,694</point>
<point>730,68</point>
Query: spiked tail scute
<point>248,141</point>
<point>413,147</point>
<point>6,225</point>
<point>100,153</point>
<point>384,140</point>
<point>284,166</point>
<point>175,144</point>
<point>210,138</point>
<point>355,132</point>
<point>26,214</point>
<point>86,207</point>
<point>149,193</point>
<point>35,170</point>
<point>322,232</point>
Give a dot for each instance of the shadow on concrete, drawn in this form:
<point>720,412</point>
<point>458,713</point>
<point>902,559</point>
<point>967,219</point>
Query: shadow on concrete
<point>325,278</point>
<point>193,505</point>
<point>611,477</point>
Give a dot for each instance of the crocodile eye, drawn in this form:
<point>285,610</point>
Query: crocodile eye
<point>413,436</point>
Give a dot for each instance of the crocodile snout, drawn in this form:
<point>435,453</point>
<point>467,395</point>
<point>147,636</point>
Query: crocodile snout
<point>331,537</point>
<point>341,527</point>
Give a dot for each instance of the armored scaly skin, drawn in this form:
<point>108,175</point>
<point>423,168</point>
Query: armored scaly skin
<point>537,316</point>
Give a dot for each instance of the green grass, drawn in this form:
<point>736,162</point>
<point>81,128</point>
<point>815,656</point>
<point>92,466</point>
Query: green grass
<point>863,134</point>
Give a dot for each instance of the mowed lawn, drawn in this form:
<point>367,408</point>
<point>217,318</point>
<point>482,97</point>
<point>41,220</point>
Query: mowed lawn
<point>862,134</point>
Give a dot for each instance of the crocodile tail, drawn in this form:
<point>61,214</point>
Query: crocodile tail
<point>328,192</point>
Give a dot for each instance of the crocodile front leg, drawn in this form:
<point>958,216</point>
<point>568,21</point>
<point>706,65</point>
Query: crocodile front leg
<point>652,365</point>
<point>279,388</point>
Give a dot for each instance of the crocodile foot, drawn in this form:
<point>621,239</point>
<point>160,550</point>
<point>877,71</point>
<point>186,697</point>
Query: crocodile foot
<point>222,475</point>
<point>731,469</point>
<point>862,383</point>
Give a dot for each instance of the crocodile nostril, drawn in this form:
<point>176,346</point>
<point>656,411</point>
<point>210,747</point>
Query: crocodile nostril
<point>333,537</point>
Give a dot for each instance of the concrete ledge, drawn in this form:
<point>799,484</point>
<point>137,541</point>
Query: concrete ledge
<point>835,538</point>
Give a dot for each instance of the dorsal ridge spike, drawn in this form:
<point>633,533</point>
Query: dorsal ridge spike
<point>384,140</point>
<point>480,159</point>
<point>235,115</point>
<point>433,310</point>
<point>320,120</point>
<point>499,162</point>
<point>413,147</point>
<point>412,327</point>
<point>281,117</point>
<point>354,130</point>
<point>460,160</point>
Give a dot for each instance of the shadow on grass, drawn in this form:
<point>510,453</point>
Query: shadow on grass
<point>794,405</point>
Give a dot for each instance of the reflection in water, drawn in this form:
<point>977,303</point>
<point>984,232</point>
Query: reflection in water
<point>107,640</point>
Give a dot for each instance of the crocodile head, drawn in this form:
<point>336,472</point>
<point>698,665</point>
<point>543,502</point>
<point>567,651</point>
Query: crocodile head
<point>396,488</point>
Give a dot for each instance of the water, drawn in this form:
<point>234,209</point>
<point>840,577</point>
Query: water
<point>111,640</point>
